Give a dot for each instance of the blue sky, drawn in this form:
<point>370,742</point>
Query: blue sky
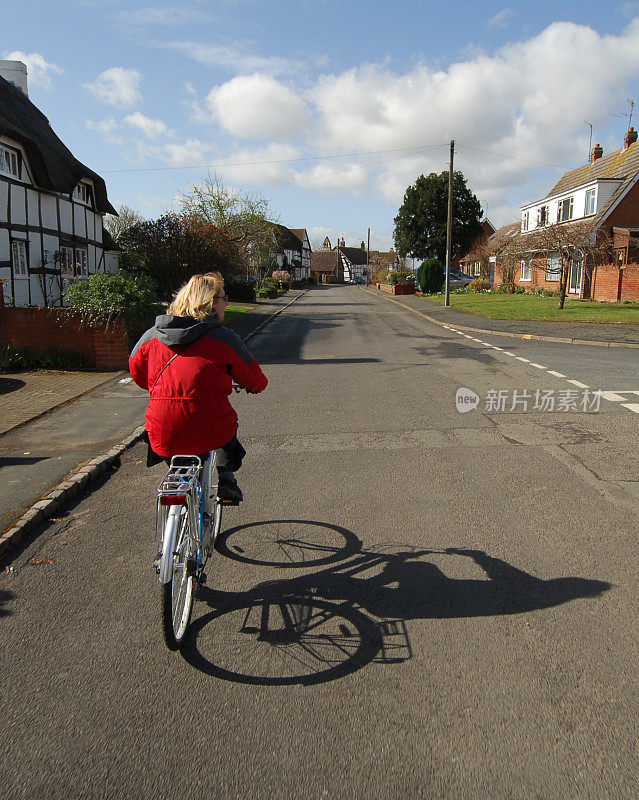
<point>329,110</point>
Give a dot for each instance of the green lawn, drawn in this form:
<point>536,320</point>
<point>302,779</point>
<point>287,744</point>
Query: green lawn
<point>234,311</point>
<point>531,306</point>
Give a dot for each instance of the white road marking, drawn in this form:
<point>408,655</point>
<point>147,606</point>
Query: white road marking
<point>579,384</point>
<point>615,398</point>
<point>557,374</point>
<point>526,360</point>
<point>538,366</point>
<point>632,407</point>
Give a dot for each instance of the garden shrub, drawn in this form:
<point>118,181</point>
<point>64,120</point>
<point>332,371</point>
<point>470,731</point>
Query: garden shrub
<point>481,284</point>
<point>103,296</point>
<point>431,275</point>
<point>239,291</point>
<point>18,359</point>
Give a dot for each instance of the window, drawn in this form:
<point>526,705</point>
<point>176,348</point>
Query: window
<point>9,162</point>
<point>81,263</point>
<point>553,268</point>
<point>82,193</point>
<point>526,270</point>
<point>542,216</point>
<point>19,258</point>
<point>67,261</point>
<point>564,210</point>
<point>590,202</point>
<point>524,220</point>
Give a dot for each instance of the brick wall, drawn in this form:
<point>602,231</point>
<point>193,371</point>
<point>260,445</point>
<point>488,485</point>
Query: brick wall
<point>612,284</point>
<point>105,347</point>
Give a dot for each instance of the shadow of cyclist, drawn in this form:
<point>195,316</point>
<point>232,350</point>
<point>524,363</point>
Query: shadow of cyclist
<point>411,588</point>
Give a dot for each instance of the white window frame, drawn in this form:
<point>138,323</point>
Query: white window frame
<point>543,213</point>
<point>553,268</point>
<point>82,193</point>
<point>591,200</point>
<point>565,209</point>
<point>526,270</point>
<point>525,219</point>
<point>67,261</point>
<point>81,262</point>
<point>20,258</point>
<point>9,161</point>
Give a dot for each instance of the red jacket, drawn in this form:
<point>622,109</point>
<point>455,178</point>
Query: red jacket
<point>189,411</point>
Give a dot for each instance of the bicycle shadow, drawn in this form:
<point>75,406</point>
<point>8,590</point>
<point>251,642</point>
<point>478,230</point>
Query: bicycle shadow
<point>327,623</point>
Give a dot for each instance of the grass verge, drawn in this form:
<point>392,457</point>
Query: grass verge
<point>234,311</point>
<point>532,306</point>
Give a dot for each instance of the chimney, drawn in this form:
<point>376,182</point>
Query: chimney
<point>363,246</point>
<point>597,152</point>
<point>630,138</point>
<point>342,242</point>
<point>16,73</point>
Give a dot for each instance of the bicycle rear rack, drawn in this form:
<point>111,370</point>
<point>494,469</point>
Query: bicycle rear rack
<point>181,477</point>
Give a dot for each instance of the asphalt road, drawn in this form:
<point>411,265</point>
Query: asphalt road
<point>462,585</point>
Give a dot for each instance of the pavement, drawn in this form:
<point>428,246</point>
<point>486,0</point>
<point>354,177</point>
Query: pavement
<point>579,333</point>
<point>60,430</point>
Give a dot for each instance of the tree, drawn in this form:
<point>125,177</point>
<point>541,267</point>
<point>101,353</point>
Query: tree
<point>172,248</point>
<point>570,244</point>
<point>126,219</point>
<point>430,276</point>
<point>420,224</point>
<point>245,218</point>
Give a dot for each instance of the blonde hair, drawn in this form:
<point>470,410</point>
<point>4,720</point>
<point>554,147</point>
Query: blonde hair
<point>197,296</point>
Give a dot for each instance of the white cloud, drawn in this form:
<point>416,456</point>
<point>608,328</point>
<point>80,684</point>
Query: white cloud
<point>238,58</point>
<point>116,86</point>
<point>107,127</point>
<point>501,18</point>
<point>268,166</point>
<point>257,107</point>
<point>151,128</point>
<point>39,70</point>
<point>161,16</point>
<point>526,101</point>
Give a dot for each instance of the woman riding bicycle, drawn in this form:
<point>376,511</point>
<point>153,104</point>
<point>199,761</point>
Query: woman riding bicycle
<point>188,361</point>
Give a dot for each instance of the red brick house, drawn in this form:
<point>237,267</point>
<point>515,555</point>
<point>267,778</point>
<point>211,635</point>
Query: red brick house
<point>604,194</point>
<point>472,262</point>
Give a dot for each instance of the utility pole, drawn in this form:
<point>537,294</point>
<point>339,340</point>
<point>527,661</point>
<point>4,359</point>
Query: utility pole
<point>368,256</point>
<point>449,223</point>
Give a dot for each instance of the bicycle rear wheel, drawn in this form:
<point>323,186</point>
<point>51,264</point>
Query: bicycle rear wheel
<point>177,594</point>
<point>216,521</point>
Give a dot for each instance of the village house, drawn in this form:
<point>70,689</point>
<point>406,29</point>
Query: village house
<point>474,261</point>
<point>604,194</point>
<point>52,206</point>
<point>292,251</point>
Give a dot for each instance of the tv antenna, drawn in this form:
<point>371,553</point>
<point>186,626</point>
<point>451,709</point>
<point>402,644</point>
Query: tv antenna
<point>632,108</point>
<point>590,142</point>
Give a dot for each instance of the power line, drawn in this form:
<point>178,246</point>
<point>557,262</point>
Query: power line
<point>412,150</point>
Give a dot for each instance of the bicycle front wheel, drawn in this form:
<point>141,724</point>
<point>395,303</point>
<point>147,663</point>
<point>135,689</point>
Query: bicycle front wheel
<point>177,594</point>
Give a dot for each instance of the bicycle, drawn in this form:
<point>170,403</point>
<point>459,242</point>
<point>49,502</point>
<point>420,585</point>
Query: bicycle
<point>188,521</point>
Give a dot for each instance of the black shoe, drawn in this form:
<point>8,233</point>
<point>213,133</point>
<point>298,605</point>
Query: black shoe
<point>228,491</point>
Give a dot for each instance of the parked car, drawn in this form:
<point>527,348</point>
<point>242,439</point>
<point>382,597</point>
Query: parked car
<point>458,279</point>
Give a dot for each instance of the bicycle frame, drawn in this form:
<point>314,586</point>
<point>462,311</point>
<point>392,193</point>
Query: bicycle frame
<point>180,490</point>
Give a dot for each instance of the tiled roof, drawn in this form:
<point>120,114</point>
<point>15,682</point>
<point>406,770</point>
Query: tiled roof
<point>621,165</point>
<point>301,234</point>
<point>53,164</point>
<point>503,235</point>
<point>323,261</point>
<point>354,254</point>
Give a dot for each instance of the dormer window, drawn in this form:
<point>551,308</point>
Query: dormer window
<point>9,162</point>
<point>525,218</point>
<point>590,202</point>
<point>564,209</point>
<point>82,193</point>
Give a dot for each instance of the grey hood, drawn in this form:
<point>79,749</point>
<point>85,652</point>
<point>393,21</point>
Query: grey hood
<point>172,331</point>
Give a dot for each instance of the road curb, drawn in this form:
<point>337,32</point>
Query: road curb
<point>55,500</point>
<point>509,334</point>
